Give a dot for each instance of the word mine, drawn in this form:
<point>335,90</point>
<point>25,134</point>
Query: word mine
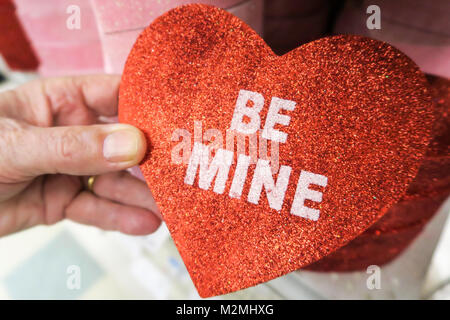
<point>218,168</point>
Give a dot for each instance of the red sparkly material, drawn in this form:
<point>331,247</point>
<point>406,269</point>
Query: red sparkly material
<point>366,250</point>
<point>386,239</point>
<point>390,235</point>
<point>363,119</point>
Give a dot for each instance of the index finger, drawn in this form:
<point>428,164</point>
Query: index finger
<point>75,100</point>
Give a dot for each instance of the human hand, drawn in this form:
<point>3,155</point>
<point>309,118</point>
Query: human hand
<point>51,141</point>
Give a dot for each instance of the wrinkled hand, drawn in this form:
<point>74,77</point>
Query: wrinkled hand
<point>50,142</point>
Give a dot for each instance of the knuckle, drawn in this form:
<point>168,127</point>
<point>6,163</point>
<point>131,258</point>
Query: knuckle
<point>12,134</point>
<point>66,144</point>
<point>10,131</point>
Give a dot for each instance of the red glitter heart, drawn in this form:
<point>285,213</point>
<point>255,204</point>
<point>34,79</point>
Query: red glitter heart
<point>362,118</point>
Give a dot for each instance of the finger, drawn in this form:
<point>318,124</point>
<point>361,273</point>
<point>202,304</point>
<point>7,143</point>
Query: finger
<point>62,101</point>
<point>124,188</point>
<point>42,202</point>
<point>28,151</point>
<point>99,92</point>
<point>58,192</point>
<point>89,209</point>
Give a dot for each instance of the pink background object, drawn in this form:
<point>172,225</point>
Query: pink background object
<point>62,51</point>
<point>120,15</point>
<point>120,22</point>
<point>116,47</point>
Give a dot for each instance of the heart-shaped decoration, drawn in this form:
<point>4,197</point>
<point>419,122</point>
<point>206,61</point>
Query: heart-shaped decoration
<point>346,121</point>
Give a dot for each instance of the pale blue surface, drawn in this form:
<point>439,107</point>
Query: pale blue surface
<point>44,275</point>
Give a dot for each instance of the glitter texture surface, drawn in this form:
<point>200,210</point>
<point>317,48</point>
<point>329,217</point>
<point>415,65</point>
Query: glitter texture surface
<point>363,119</point>
<point>390,235</point>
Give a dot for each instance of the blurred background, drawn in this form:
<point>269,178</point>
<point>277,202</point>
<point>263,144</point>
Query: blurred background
<point>42,38</point>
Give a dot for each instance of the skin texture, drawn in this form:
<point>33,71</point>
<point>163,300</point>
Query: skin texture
<point>51,141</point>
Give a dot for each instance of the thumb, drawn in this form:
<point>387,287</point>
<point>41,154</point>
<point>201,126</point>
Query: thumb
<point>30,151</point>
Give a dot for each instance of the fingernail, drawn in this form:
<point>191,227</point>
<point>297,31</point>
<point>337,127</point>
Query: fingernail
<point>121,146</point>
